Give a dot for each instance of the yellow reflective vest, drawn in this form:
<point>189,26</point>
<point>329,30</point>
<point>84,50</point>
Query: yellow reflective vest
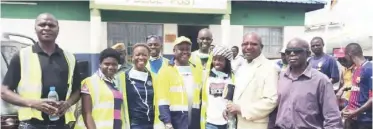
<point>102,103</point>
<point>197,61</point>
<point>30,85</point>
<point>172,94</point>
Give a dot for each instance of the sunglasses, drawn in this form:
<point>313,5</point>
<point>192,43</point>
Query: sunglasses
<point>152,36</point>
<point>294,50</point>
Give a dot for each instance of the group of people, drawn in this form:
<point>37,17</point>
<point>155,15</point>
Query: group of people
<point>192,90</point>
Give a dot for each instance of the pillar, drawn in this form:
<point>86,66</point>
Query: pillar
<point>95,37</point>
<point>225,30</point>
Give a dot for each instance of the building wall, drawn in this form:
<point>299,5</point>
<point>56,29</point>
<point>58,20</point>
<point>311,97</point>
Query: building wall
<point>267,15</point>
<point>74,20</point>
<point>354,19</point>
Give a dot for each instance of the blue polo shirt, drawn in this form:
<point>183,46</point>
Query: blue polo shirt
<point>327,65</point>
<point>156,64</point>
<point>365,86</point>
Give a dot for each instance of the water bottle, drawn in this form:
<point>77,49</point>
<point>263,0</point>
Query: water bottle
<point>231,121</point>
<point>52,95</point>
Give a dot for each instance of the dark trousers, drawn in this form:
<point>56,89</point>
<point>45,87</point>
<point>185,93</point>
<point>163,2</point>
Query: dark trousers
<point>28,125</point>
<point>353,124</point>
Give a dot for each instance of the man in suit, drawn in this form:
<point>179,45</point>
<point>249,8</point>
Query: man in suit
<point>255,96</point>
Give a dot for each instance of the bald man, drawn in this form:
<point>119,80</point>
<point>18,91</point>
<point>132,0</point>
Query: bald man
<point>255,95</point>
<point>306,96</point>
<point>34,72</point>
<point>204,40</point>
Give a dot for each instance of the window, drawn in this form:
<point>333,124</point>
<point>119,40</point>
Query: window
<point>131,33</point>
<point>272,39</point>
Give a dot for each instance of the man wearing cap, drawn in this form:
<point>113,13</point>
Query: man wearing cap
<point>343,93</point>
<point>156,61</point>
<point>124,65</point>
<point>179,95</point>
<point>282,64</point>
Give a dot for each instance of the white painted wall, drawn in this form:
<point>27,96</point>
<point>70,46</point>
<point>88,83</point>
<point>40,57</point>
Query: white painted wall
<point>73,35</point>
<point>291,32</point>
<point>217,34</point>
<point>236,36</point>
<point>169,29</point>
<point>355,15</point>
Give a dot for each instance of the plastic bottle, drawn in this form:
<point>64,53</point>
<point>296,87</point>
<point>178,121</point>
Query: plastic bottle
<point>52,95</point>
<point>231,121</point>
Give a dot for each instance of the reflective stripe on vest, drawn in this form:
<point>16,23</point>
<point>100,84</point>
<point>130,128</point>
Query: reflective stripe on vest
<point>102,104</point>
<point>172,92</point>
<point>30,85</point>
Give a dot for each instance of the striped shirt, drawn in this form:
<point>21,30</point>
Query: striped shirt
<point>361,90</point>
<point>118,98</point>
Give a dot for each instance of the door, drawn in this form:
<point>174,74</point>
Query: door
<point>190,31</point>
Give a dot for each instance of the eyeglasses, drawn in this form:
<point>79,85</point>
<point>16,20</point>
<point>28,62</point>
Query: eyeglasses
<point>294,50</point>
<point>153,36</point>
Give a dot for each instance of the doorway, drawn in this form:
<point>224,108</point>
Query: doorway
<point>190,31</point>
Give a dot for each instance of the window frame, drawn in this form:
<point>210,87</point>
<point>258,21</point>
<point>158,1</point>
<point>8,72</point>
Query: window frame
<point>269,54</point>
<point>128,44</point>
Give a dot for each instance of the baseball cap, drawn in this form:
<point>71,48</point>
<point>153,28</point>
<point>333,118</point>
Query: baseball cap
<point>182,39</point>
<point>119,46</point>
<point>339,52</point>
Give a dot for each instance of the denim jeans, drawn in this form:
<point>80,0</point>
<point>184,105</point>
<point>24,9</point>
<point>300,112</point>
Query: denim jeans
<point>212,126</point>
<point>27,125</point>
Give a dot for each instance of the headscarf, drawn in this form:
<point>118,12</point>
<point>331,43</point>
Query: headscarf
<point>222,51</point>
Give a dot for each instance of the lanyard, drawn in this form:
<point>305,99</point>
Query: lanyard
<point>146,95</point>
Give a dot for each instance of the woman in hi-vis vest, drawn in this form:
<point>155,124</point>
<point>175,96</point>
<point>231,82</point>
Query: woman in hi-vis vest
<point>217,80</point>
<point>102,99</point>
<point>139,92</point>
